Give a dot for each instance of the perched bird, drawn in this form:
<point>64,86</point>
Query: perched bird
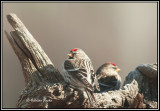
<point>79,73</point>
<point>108,77</point>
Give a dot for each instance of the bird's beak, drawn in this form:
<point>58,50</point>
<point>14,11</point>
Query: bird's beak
<point>70,55</point>
<point>118,70</point>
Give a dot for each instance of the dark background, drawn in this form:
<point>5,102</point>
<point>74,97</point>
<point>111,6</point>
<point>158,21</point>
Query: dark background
<point>123,33</point>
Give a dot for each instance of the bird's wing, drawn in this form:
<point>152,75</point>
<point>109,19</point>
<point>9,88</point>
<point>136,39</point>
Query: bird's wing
<point>109,83</point>
<point>87,65</point>
<point>108,80</point>
<point>80,69</point>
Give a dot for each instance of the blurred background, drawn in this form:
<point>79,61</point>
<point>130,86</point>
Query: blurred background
<point>123,33</point>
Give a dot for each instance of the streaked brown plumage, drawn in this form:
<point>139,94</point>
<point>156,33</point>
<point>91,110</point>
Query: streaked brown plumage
<point>79,72</point>
<point>108,77</point>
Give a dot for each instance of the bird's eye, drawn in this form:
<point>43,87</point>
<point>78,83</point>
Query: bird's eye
<point>114,67</point>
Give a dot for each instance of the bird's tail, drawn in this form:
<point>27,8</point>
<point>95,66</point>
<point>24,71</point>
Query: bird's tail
<point>97,84</point>
<point>90,96</point>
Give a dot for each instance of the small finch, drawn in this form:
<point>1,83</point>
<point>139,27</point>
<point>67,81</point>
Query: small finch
<point>79,73</point>
<point>108,77</point>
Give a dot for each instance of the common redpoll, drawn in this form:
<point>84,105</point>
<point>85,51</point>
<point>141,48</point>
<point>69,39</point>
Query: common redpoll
<point>108,77</point>
<point>79,72</point>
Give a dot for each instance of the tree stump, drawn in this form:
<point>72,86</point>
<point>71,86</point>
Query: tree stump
<point>45,87</point>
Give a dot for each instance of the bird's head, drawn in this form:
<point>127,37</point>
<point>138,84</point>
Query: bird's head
<point>108,69</point>
<point>113,67</point>
<point>77,53</point>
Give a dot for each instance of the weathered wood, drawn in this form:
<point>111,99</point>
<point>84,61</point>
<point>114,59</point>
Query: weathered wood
<point>27,66</point>
<point>45,87</point>
<point>146,76</point>
<point>32,50</point>
<point>62,96</point>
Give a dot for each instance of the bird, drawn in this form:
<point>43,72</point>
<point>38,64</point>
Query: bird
<point>108,77</point>
<point>79,73</point>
